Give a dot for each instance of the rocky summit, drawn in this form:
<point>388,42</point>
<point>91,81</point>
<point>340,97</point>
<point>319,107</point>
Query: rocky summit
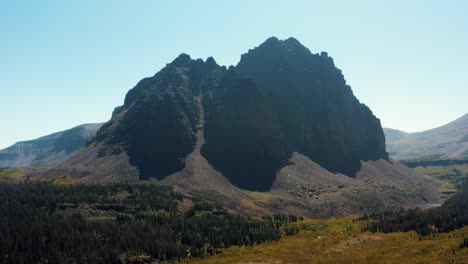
<point>281,99</point>
<point>157,124</point>
<point>278,100</point>
<point>280,132</point>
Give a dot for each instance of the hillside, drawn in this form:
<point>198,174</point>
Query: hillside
<point>447,141</point>
<point>48,150</point>
<point>340,240</point>
<point>436,235</point>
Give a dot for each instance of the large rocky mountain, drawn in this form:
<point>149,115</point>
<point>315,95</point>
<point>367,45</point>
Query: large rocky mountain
<point>48,150</point>
<point>279,99</point>
<point>279,132</point>
<point>447,141</point>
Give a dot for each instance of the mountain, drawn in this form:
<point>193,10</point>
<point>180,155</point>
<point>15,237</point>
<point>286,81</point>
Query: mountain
<point>48,150</point>
<point>282,99</point>
<point>279,132</point>
<point>447,141</point>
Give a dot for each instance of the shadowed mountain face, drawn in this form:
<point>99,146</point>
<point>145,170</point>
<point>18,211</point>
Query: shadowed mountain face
<point>158,121</point>
<point>279,99</point>
<point>283,99</point>
<point>48,150</point>
<point>244,140</point>
<point>447,141</point>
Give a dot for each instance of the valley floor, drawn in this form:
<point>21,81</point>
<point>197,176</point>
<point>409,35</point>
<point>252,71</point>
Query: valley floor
<point>340,240</point>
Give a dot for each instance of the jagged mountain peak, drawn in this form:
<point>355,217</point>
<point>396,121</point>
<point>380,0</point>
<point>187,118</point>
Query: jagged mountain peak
<point>185,60</point>
<point>278,100</point>
<point>275,51</point>
<point>275,48</point>
<point>182,59</point>
<point>283,120</point>
<point>282,43</point>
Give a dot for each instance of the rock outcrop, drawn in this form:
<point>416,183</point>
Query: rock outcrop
<point>157,124</point>
<point>281,99</point>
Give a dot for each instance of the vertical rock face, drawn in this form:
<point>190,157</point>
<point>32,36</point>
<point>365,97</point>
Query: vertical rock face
<point>279,99</point>
<point>243,136</point>
<point>158,121</point>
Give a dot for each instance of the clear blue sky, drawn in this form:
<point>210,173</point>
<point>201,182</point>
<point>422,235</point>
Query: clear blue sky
<point>63,63</point>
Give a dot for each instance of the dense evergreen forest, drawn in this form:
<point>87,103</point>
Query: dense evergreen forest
<point>451,215</point>
<point>45,223</point>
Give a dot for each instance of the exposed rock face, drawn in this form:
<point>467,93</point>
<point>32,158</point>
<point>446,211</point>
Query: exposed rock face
<point>48,150</point>
<point>158,121</point>
<point>379,186</point>
<point>279,99</point>
<point>283,120</point>
<point>243,136</point>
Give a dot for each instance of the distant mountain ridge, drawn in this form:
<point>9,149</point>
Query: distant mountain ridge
<point>447,141</point>
<point>48,150</point>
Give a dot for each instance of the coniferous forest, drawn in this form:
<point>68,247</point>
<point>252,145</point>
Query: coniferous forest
<point>451,215</point>
<point>45,223</point>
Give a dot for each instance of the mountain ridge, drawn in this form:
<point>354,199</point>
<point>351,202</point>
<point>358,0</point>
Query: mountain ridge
<point>446,141</point>
<point>50,149</point>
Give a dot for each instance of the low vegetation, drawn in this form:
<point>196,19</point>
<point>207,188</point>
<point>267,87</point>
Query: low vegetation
<point>342,240</point>
<point>11,175</point>
<point>438,235</point>
<point>61,222</point>
<point>451,177</point>
<point>450,216</point>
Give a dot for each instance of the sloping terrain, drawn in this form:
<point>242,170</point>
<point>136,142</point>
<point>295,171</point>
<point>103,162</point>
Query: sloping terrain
<point>447,141</point>
<point>48,150</point>
<point>379,185</point>
<point>340,240</point>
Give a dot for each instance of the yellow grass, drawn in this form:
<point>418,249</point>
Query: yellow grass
<point>65,180</point>
<point>11,174</point>
<point>101,218</point>
<point>340,241</point>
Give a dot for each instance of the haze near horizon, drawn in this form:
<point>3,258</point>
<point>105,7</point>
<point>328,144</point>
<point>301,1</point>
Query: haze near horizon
<point>68,64</point>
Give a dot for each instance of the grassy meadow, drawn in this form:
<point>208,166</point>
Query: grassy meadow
<point>340,240</point>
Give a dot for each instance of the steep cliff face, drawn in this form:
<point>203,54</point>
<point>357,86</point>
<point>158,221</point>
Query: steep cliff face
<point>281,99</point>
<point>278,100</point>
<point>243,136</point>
<point>283,120</point>
<point>157,124</point>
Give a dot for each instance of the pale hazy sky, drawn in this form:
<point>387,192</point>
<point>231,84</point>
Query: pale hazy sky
<point>64,63</point>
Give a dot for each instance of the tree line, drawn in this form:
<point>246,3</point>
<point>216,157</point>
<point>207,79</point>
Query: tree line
<point>451,215</point>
